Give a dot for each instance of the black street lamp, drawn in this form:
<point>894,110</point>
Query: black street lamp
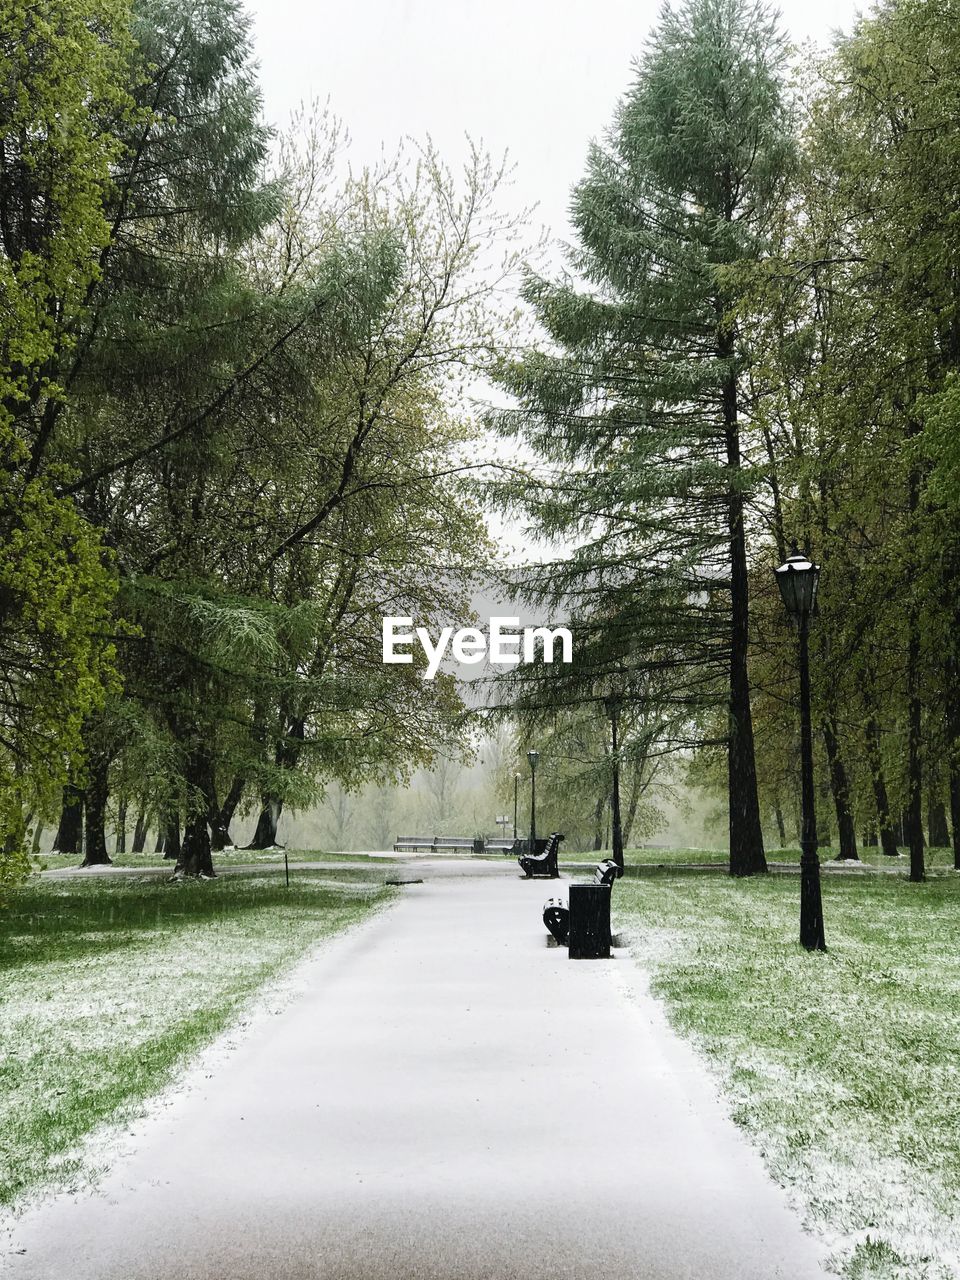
<point>613,711</point>
<point>533,757</point>
<point>797,579</point>
<point>516,796</point>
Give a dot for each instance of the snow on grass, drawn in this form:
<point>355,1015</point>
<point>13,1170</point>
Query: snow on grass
<point>224,858</point>
<point>843,1068</point>
<point>111,983</point>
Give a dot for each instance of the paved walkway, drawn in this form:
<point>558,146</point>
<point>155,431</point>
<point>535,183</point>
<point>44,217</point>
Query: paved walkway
<point>449,1099</point>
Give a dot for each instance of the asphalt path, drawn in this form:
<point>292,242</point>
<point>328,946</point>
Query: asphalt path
<point>447,1098</point>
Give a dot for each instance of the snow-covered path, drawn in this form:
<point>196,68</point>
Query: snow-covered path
<point>448,1099</point>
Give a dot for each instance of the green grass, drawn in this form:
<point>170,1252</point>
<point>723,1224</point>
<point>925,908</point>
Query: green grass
<point>110,983</point>
<point>936,859</point>
<point>845,1067</point>
<point>230,858</point>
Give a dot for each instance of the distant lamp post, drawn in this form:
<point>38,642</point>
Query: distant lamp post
<point>533,757</point>
<point>797,579</point>
<point>516,797</point>
<point>612,703</point>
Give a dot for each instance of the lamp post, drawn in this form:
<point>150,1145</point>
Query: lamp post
<point>613,711</point>
<point>516,796</point>
<point>533,757</point>
<point>797,579</point>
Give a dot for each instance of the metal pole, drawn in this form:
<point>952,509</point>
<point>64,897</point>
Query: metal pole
<point>516,796</point>
<point>811,907</point>
<point>286,867</point>
<point>533,808</point>
<point>615,800</point>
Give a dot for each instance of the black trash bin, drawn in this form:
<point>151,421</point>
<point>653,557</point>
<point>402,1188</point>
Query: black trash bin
<point>589,923</point>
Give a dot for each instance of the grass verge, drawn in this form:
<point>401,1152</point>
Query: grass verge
<point>110,984</point>
<point>226,858</point>
<point>844,1068</point>
<point>935,859</point>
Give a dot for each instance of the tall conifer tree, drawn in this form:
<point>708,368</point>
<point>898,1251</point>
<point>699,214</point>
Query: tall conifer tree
<point>639,406</point>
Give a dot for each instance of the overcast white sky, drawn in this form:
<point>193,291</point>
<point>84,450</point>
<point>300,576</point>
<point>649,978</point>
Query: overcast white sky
<point>535,78</point>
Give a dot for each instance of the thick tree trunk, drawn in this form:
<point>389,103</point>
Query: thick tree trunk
<point>265,836</point>
<point>95,814</point>
<point>140,832</point>
<point>37,837</point>
<point>840,787</point>
<point>746,834</point>
<point>171,836</point>
<point>121,827</point>
<point>69,835</point>
<point>195,855</point>
<point>206,785</point>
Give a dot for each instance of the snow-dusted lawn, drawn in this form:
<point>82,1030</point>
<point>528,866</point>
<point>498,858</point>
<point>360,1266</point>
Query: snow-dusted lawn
<point>227,858</point>
<point>110,983</point>
<point>844,1068</point>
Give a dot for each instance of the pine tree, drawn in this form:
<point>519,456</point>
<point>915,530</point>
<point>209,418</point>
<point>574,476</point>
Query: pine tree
<point>640,405</point>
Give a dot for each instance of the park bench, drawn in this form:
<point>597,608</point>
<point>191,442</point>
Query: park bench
<point>412,844</point>
<point>437,844</point>
<point>543,866</point>
<point>502,844</point>
<point>584,925</point>
<point>472,843</point>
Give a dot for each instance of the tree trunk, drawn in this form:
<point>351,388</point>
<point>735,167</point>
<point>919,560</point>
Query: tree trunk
<point>840,787</point>
<point>870,838</point>
<point>598,825</point>
<point>746,835</point>
<point>37,837</point>
<point>121,827</point>
<point>914,708</point>
<point>632,805</point>
<point>913,813</point>
<point>824,837</point>
<point>888,837</point>
<point>171,837</point>
<point>195,855</point>
<point>95,813</point>
<point>781,826</point>
<point>265,836</point>
<point>219,835</point>
<point>140,832</point>
<point>229,806</point>
<point>70,831</point>
<point>158,847</point>
<point>938,833</point>
<point>955,810</point>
